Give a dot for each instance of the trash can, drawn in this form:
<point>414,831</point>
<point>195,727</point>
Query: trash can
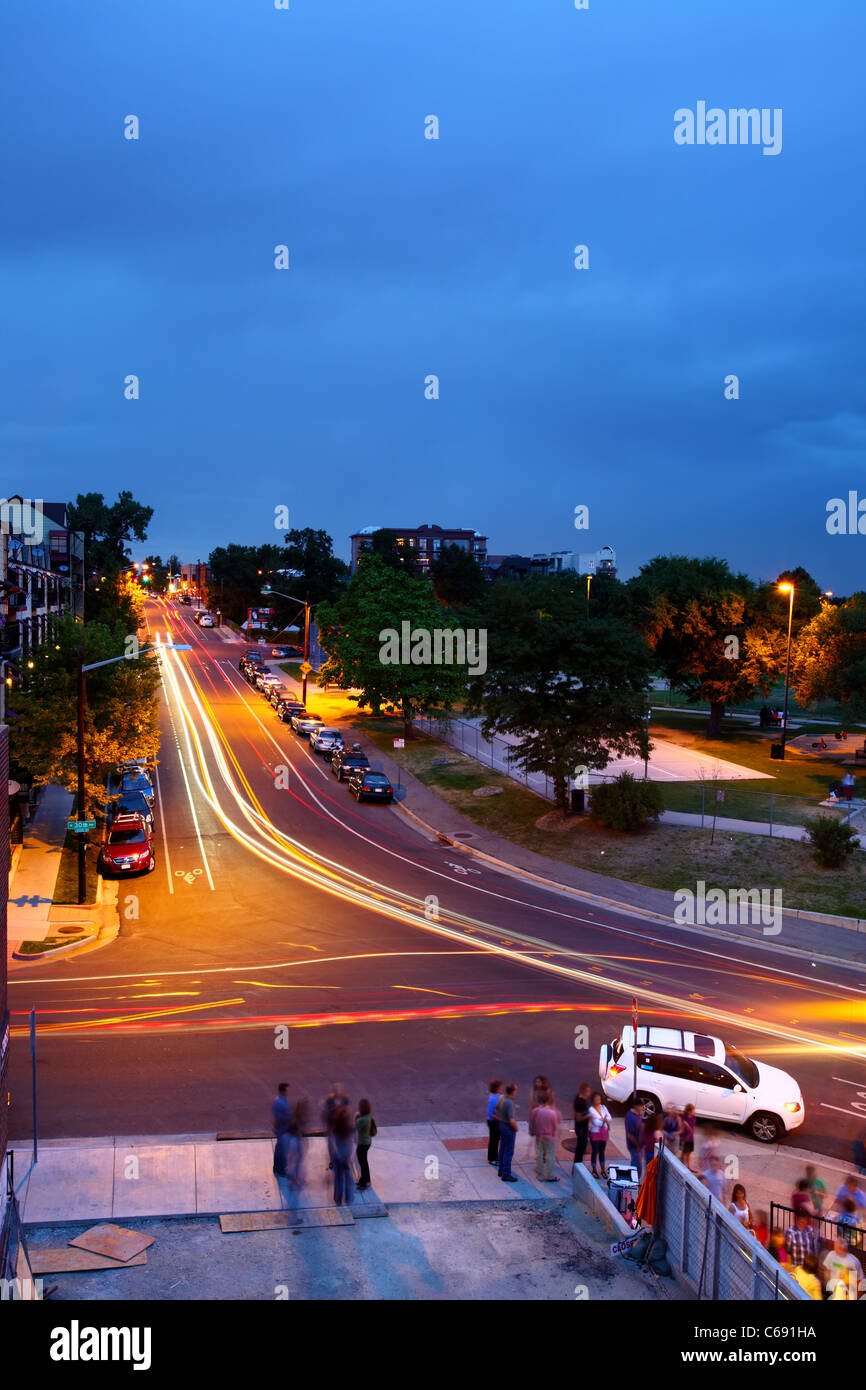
<point>578,801</point>
<point>622,1185</point>
<point>776,750</point>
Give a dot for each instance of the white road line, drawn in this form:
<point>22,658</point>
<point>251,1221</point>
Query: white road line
<point>162,824</point>
<point>191,802</point>
<point>846,1082</point>
<point>858,1114</point>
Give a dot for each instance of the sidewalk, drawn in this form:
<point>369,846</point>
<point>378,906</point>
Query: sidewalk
<point>31,914</point>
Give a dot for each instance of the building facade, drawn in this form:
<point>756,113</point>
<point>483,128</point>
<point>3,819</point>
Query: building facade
<point>555,561</point>
<point>41,572</point>
<point>423,543</point>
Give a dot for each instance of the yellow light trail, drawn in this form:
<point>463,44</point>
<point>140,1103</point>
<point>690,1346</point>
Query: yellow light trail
<point>416,989</point>
<point>284,853</point>
<point>127,1018</point>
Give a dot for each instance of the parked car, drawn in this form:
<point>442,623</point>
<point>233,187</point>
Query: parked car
<point>137,782</point>
<point>128,847</point>
<point>130,804</point>
<point>370,784</point>
<point>269,682</point>
<point>253,672</point>
<point>681,1068</point>
<point>346,761</point>
<point>325,741</point>
<point>287,709</point>
<point>206,620</point>
<point>304,724</point>
<point>277,694</point>
<point>288,653</point>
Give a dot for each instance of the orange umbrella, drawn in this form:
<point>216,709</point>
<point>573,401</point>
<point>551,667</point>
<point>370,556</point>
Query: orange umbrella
<point>645,1206</point>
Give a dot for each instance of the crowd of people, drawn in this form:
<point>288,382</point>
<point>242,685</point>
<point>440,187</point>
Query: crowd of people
<point>349,1135</point>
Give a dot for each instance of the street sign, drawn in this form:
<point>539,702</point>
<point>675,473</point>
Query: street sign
<point>78,827</point>
<point>305,668</point>
<point>399,743</point>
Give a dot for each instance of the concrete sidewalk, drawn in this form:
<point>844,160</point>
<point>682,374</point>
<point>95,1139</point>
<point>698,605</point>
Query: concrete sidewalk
<point>126,1179</point>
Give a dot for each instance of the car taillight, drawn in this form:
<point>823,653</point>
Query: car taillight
<point>792,1105</point>
<point>614,1069</point>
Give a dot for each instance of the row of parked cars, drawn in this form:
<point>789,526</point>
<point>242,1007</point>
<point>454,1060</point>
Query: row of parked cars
<point>203,618</point>
<point>349,765</point>
<point>129,813</point>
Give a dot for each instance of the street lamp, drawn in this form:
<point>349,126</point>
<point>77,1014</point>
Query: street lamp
<point>647,716</point>
<point>789,590</point>
<point>588,582</point>
<point>82,700</point>
<point>267,590</point>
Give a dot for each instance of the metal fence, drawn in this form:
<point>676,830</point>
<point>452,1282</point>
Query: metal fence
<point>713,1256</point>
<point>496,752</point>
<point>782,1218</point>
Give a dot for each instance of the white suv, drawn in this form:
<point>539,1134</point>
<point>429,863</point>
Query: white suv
<point>677,1067</point>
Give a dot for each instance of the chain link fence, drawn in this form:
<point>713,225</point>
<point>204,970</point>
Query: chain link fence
<point>713,1256</point>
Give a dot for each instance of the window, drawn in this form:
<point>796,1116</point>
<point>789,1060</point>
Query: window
<point>704,1047</point>
<point>678,1067</point>
<point>708,1074</point>
<point>741,1066</point>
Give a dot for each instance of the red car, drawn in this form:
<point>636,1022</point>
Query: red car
<point>128,847</point>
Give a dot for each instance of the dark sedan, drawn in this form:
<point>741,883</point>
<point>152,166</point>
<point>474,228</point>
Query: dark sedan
<point>345,763</point>
<point>371,786</point>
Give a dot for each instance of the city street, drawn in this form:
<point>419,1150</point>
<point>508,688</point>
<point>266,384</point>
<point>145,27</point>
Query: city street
<point>277,899</point>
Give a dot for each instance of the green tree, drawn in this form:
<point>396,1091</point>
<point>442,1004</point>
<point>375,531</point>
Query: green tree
<point>458,579</point>
<point>626,803</point>
<point>318,572</point>
<point>386,545</point>
<point>828,661</point>
<point>571,687</point>
<point>239,574</point>
<point>158,573</point>
<point>703,624</point>
<point>120,712</point>
<point>355,633</point>
<point>108,528</point>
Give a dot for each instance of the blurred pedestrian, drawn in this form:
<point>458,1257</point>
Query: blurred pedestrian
<point>806,1276</point>
<point>687,1135</point>
<point>335,1100</point>
<point>859,1150</point>
<point>672,1127</point>
<point>761,1230</point>
<point>847,1214</point>
<point>281,1111</point>
<point>541,1087</point>
<point>365,1133</point>
<point>739,1206</point>
<point>634,1134</point>
<point>817,1190</point>
<point>506,1114</point>
<point>776,1247</point>
<point>544,1122</point>
<point>581,1120</point>
<point>841,1271</point>
<point>342,1134</point>
<point>495,1090</point>
<point>801,1199</point>
<point>850,1191</point>
<point>713,1177</point>
<point>652,1128</point>
<point>599,1133</point>
<point>801,1240</point>
<point>710,1146</point>
<point>295,1147</point>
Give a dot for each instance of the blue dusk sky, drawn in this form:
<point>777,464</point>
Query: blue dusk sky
<point>411,256</point>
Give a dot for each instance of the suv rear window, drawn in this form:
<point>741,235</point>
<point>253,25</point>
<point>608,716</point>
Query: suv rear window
<point>133,836</point>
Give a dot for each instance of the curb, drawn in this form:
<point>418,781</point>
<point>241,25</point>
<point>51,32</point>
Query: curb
<point>846,923</point>
<point>31,958</point>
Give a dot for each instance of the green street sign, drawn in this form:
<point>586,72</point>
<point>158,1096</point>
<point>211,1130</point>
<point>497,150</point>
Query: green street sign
<point>78,827</point>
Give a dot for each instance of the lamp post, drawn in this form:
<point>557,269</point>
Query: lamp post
<point>81,701</point>
<point>267,590</point>
<point>789,590</point>
<point>647,717</point>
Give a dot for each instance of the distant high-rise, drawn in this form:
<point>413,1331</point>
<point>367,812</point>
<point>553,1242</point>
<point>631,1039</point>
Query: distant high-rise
<point>423,542</point>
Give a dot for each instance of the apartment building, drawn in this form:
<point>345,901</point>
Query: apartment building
<point>41,571</point>
<point>423,542</point>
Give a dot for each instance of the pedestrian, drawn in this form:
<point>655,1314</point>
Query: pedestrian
<point>671,1127</point>
<point>739,1206</point>
<point>634,1134</point>
<point>687,1136</point>
<point>495,1090</point>
<point>713,1177</point>
<point>581,1120</point>
<point>806,1276</point>
<point>334,1101</point>
<point>541,1087</point>
<point>507,1131</point>
<point>281,1111</point>
<point>761,1230</point>
<point>365,1133</point>
<point>652,1128</point>
<point>342,1134</point>
<point>599,1133</point>
<point>859,1147</point>
<point>800,1239</point>
<point>544,1122</point>
<point>817,1190</point>
<point>841,1271</point>
<point>801,1198</point>
<point>776,1247</point>
<point>847,1215</point>
<point>850,1191</point>
<point>710,1146</point>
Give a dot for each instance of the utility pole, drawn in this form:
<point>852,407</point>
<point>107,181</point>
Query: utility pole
<point>81,810</point>
<point>306,645</point>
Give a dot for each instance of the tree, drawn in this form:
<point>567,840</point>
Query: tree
<point>828,661</point>
<point>320,573</point>
<point>120,712</point>
<point>702,623</point>
<point>239,573</point>
<point>385,544</point>
<point>458,579</point>
<point>107,529</point>
<point>158,573</point>
<point>832,841</point>
<point>626,803</point>
<point>357,634</point>
<point>571,687</point>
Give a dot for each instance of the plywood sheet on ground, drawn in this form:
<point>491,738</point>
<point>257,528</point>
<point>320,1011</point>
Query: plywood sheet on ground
<point>285,1220</point>
<point>67,1260</point>
<point>118,1242</point>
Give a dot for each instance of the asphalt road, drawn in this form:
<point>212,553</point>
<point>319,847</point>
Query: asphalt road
<point>288,933</point>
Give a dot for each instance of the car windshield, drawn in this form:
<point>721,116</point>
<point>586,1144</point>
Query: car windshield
<point>741,1066</point>
<point>134,835</point>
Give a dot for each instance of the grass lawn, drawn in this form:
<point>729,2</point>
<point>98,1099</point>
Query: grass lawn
<point>66,888</point>
<point>662,856</point>
<point>796,776</point>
